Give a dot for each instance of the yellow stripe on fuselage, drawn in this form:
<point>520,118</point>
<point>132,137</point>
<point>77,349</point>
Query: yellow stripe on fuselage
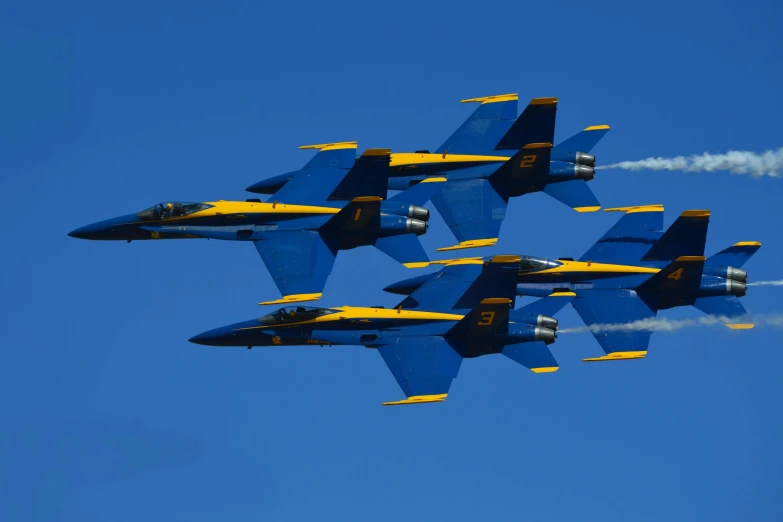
<point>220,208</point>
<point>401,159</point>
<point>588,266</point>
<point>352,313</point>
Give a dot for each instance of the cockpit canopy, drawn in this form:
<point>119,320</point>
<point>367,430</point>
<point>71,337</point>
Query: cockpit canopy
<point>170,209</point>
<point>294,314</point>
<point>534,264</point>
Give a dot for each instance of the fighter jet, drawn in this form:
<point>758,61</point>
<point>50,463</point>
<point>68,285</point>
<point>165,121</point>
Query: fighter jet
<point>463,313</point>
<point>634,271</point>
<point>336,202</point>
<point>490,158</point>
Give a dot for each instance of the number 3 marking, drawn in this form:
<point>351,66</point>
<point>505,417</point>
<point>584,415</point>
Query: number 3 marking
<point>486,318</point>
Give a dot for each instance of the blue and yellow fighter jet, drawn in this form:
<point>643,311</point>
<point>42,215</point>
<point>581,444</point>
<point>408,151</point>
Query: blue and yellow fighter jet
<point>465,312</point>
<point>336,202</point>
<point>491,157</point>
<point>633,271</point>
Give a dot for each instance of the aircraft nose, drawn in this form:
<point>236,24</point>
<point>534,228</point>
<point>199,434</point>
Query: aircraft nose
<point>115,228</point>
<point>217,337</point>
<point>86,232</point>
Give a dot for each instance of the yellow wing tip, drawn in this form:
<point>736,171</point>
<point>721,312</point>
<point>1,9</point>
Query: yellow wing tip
<point>543,101</point>
<point>696,213</point>
<point>741,326</point>
<point>747,243</point>
<point>492,99</point>
<point>657,207</point>
<point>618,356</point>
<point>293,298</point>
<point>331,146</point>
<point>546,369</point>
<point>562,294</point>
<point>597,127</point>
<point>422,264</point>
<point>433,180</point>
<point>587,209</point>
<point>419,399</point>
<point>473,243</point>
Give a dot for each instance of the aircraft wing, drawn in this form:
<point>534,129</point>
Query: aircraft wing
<point>484,128</point>
<point>630,238</point>
<point>423,366</point>
<point>473,209</point>
<point>613,310</point>
<point>299,262</point>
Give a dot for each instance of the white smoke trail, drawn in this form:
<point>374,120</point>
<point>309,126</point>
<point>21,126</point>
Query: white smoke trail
<point>660,324</point>
<point>779,282</point>
<point>769,163</point>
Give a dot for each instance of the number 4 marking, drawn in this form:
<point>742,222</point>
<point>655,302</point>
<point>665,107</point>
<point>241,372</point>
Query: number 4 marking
<point>676,275</point>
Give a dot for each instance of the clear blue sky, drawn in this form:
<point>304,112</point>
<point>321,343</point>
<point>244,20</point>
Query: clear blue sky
<point>109,414</point>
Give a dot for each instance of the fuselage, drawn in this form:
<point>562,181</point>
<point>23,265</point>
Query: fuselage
<point>346,325</point>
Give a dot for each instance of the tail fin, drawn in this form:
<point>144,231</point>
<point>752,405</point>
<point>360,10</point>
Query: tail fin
<point>536,124</point>
<point>531,161</point>
<point>542,311</point>
<point>490,317</point>
<point>685,237</point>
<point>341,155</point>
<point>676,284</point>
<point>728,307</point>
<point>535,356</point>
<point>419,193</point>
<point>369,176</point>
<point>584,141</point>
<point>484,128</point>
<point>404,248</point>
<point>735,256</point>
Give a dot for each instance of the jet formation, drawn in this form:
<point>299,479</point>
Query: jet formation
<point>339,201</point>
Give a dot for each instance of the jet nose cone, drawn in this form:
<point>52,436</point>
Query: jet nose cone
<point>85,232</point>
<point>217,337</point>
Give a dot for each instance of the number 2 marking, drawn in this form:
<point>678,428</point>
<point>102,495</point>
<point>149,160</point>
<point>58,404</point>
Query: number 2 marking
<point>676,275</point>
<point>486,318</point>
<point>528,161</point>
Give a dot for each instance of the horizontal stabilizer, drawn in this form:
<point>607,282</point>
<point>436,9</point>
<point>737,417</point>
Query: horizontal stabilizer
<point>575,194</point>
<point>340,155</point>
<point>420,193</point>
<point>535,356</point>
<point>536,124</point>
<point>735,256</point>
<point>473,209</point>
<point>581,142</point>
<point>403,248</point>
<point>726,306</point>
<point>685,237</point>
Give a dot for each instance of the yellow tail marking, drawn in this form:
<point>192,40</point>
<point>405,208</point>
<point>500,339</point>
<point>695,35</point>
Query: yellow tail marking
<point>742,326</point>
<point>505,259</point>
<point>423,264</point>
<point>691,258</point>
<point>474,243</point>
<point>696,213</point>
<point>543,101</point>
<point>495,300</point>
<point>747,243</point>
<point>597,127</point>
<point>293,298</point>
<point>618,356</point>
<point>377,152</point>
<point>545,369</point>
<point>366,199</point>
<point>538,146</point>
<point>419,399</point>
<point>492,99</point>
<point>587,209</point>
<point>331,146</point>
